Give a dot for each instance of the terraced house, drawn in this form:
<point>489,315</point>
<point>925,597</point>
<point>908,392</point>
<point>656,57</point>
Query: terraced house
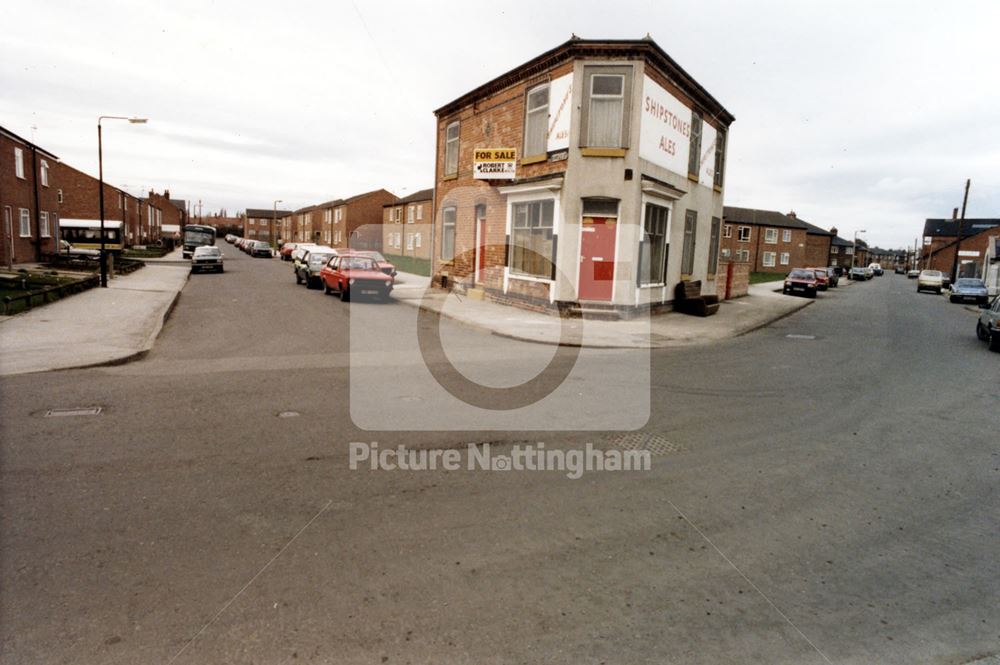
<point>29,200</point>
<point>590,177</point>
<point>405,225</point>
<point>768,240</point>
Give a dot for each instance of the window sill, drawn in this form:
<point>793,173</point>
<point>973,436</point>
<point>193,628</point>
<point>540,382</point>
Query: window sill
<point>453,176</point>
<point>657,285</point>
<point>529,278</point>
<point>693,177</point>
<point>534,159</point>
<point>717,188</point>
<point>602,152</point>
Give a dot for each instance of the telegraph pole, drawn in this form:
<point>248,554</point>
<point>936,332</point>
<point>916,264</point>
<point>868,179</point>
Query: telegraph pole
<point>958,241</point>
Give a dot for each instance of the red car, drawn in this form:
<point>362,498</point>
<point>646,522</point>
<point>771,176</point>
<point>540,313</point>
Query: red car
<point>383,264</point>
<point>801,280</point>
<point>355,275</point>
<point>286,251</point>
<point>822,278</point>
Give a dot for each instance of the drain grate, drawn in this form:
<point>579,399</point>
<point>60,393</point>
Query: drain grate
<point>288,414</point>
<point>76,411</point>
<point>796,336</point>
<point>656,444</point>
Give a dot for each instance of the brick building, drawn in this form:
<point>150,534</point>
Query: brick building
<point>768,240</point>
<point>841,251</point>
<point>29,200</point>
<point>405,225</point>
<point>354,222</point>
<point>819,244</point>
<point>941,243</point>
<point>262,224</point>
<point>590,176</point>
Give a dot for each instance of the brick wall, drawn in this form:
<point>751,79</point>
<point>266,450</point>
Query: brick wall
<point>940,254</point>
<point>817,250</point>
<point>17,194</point>
<point>365,210</point>
<point>493,122</point>
<point>740,279</point>
<point>796,247</point>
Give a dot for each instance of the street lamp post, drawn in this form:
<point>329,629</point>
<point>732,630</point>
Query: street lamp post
<point>100,187</point>
<point>854,252</point>
<point>274,217</point>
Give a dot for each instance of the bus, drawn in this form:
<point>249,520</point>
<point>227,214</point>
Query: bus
<point>197,235</point>
<point>86,234</point>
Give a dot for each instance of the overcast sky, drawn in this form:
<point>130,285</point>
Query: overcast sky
<point>861,115</point>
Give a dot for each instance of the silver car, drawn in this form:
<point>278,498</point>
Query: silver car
<point>930,280</point>
<point>988,326</point>
<point>207,257</point>
<point>966,289</point>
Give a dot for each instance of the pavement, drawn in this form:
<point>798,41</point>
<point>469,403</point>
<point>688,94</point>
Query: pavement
<point>672,329</point>
<point>96,327</point>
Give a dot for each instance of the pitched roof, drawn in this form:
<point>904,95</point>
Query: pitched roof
<point>949,227</point>
<point>812,229</point>
<point>15,137</point>
<point>841,242</point>
<point>616,49</point>
<point>268,212</point>
<point>757,217</point>
<point>422,195</point>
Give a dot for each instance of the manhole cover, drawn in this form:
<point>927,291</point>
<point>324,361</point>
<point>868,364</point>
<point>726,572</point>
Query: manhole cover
<point>289,414</point>
<point>656,444</point>
<point>76,411</point>
<point>794,336</point>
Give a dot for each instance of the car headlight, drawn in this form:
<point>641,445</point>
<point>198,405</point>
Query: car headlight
<point>350,281</point>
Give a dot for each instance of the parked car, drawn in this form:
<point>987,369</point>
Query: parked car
<point>945,280</point>
<point>801,280</point>
<point>384,264</point>
<point>207,257</point>
<point>967,289</point>
<point>988,326</point>
<point>66,248</point>
<point>260,248</point>
<point>300,250</point>
<point>869,272</point>
<point>876,269</point>
<point>833,276</point>
<point>900,270</point>
<point>308,268</point>
<point>285,253</point>
<point>822,278</point>
<point>839,270</point>
<point>858,273</point>
<point>353,275</point>
<point>913,274</point>
<point>930,280</point>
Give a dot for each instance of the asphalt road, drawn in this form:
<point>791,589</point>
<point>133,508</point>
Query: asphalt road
<point>826,497</point>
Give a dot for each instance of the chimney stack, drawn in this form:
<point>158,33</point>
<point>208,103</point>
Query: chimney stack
<point>954,213</point>
<point>791,214</point>
<point>833,230</point>
<point>166,194</point>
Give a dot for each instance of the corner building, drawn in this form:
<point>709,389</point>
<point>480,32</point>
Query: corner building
<point>589,177</point>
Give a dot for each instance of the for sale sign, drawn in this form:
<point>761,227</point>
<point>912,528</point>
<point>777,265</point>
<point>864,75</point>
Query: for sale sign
<point>494,164</point>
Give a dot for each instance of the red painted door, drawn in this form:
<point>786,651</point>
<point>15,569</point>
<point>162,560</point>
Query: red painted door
<point>597,258</point>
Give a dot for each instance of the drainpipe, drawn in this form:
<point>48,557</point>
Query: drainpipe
<point>38,213</point>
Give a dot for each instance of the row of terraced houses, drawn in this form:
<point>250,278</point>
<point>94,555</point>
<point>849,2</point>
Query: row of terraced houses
<point>38,192</point>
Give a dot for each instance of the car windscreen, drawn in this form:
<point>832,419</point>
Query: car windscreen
<point>207,251</point>
<point>971,283</point>
<point>932,273</point>
<point>319,259</point>
<point>357,263</point>
<point>802,274</point>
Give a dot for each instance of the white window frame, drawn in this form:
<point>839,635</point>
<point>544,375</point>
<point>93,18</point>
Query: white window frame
<point>44,172</point>
<point>592,142</point>
<point>447,227</point>
<point>409,214</point>
<point>24,222</point>
<point>416,240</point>
<point>409,241</point>
<point>727,231</point>
<point>743,255</point>
<point>19,163</point>
<point>43,222</point>
<point>451,147</point>
<point>420,212</point>
<point>786,235</point>
<point>768,259</point>
<point>740,233</point>
<point>770,236</point>
<point>834,250</point>
<point>784,258</point>
<point>337,215</point>
<point>668,206</point>
<point>533,117</point>
<point>725,253</point>
<point>59,196</point>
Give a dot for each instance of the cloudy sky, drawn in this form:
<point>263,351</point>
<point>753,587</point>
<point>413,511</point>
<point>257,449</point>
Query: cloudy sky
<point>861,115</point>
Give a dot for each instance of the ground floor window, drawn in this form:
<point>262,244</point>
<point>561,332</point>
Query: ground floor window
<point>743,255</point>
<point>531,238</point>
<point>769,259</point>
<point>25,229</point>
<point>713,246</point>
<point>690,231</point>
<point>726,253</point>
<point>654,247</point>
<point>447,234</point>
<point>784,258</point>
<point>44,223</point>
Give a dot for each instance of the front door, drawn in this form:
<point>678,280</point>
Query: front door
<point>597,258</point>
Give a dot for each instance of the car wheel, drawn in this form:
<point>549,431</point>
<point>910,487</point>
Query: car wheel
<point>298,278</point>
<point>345,294</point>
<point>811,294</point>
<point>952,299</point>
<point>938,291</point>
<point>994,340</point>
<point>981,332</point>
<point>326,289</point>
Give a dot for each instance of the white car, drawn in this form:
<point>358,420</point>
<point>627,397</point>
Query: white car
<point>66,248</point>
<point>207,257</point>
<point>930,280</point>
